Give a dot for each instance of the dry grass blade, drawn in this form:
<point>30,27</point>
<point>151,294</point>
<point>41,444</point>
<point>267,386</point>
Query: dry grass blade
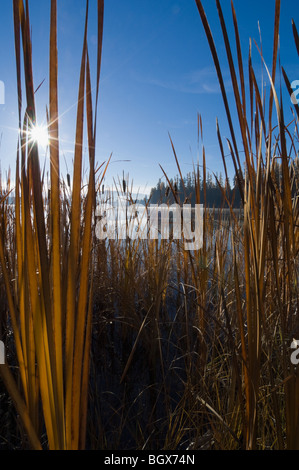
<point>43,318</point>
<point>240,60</point>
<point>55,216</point>
<point>240,107</point>
<point>287,199</point>
<point>20,406</point>
<point>258,96</point>
<point>290,90</point>
<point>85,372</point>
<point>18,56</point>
<point>174,192</point>
<point>214,412</point>
<point>82,336</point>
<point>296,36</point>
<point>80,332</point>
<point>73,254</point>
<point>134,347</point>
<point>213,325</point>
<point>221,81</point>
<point>275,51</point>
<point>99,58</point>
<point>178,165</point>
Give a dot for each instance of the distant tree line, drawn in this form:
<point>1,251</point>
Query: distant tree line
<point>186,191</point>
<point>212,192</point>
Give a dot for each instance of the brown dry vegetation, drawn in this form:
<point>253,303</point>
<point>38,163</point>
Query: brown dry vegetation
<point>140,344</point>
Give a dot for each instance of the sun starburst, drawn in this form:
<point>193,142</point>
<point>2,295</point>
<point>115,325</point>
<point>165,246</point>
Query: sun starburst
<point>39,134</point>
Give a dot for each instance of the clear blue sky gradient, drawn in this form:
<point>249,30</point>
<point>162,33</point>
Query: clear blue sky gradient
<point>157,75</point>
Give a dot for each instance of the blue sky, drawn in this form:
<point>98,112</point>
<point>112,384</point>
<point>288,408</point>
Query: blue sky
<point>157,75</point>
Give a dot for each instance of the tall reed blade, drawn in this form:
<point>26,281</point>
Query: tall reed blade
<point>52,329</point>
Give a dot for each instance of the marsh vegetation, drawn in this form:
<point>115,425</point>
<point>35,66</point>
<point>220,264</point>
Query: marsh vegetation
<point>140,344</point>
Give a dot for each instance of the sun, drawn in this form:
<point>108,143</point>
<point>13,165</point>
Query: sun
<point>39,135</point>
